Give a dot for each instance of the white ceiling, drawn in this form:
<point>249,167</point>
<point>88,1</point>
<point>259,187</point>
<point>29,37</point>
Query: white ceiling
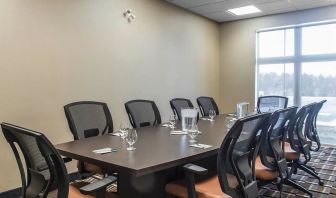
<point>217,9</point>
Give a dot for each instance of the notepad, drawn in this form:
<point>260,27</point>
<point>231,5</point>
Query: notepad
<point>166,125</point>
<point>178,133</point>
<point>202,146</point>
<point>116,134</point>
<point>104,150</point>
<point>232,114</point>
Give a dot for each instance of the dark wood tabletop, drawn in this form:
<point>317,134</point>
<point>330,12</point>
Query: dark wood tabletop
<point>155,150</point>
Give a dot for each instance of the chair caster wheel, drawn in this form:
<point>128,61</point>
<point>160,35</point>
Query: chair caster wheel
<point>321,183</point>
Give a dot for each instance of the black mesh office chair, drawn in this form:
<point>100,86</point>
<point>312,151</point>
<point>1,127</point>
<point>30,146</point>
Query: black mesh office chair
<point>178,103</point>
<point>312,135</point>
<point>87,119</point>
<point>271,103</point>
<point>271,164</point>
<point>235,165</point>
<point>206,104</point>
<point>42,168</point>
<point>298,149</point>
<point>142,113</point>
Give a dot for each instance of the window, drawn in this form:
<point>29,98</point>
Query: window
<point>300,63</point>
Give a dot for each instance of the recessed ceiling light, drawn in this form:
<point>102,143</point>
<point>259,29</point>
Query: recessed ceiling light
<point>244,10</point>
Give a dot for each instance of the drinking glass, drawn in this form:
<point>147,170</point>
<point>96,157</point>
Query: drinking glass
<point>123,130</point>
<point>212,114</point>
<point>131,138</point>
<point>229,121</point>
<point>172,121</point>
<point>193,133</point>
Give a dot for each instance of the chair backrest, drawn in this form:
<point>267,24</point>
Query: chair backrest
<point>298,128</point>
<point>237,154</point>
<point>44,168</point>
<point>88,118</point>
<point>178,103</point>
<point>271,103</point>
<point>142,113</point>
<point>272,153</point>
<point>312,135</point>
<point>207,103</point>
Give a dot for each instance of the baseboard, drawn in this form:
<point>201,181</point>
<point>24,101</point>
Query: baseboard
<point>16,193</point>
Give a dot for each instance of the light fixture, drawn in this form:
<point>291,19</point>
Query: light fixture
<point>244,10</point>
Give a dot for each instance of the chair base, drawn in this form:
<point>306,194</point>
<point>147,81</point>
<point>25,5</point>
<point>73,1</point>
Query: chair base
<point>311,171</point>
<point>308,169</point>
<point>290,182</point>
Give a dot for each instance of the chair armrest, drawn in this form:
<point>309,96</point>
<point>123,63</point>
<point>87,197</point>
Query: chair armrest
<point>190,171</point>
<point>98,185</point>
<point>66,159</point>
<point>195,169</point>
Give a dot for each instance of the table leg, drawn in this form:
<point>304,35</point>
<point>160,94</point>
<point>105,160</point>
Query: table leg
<point>147,186</point>
<point>153,185</point>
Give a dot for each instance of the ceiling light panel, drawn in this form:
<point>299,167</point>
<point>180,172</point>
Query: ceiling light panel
<point>251,9</point>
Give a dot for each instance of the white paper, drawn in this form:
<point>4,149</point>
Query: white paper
<point>202,146</point>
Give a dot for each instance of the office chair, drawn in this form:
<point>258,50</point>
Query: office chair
<point>298,149</point>
<point>312,134</point>
<point>142,113</point>
<point>271,165</point>
<point>206,104</point>
<point>235,165</point>
<point>271,103</point>
<point>178,103</point>
<point>87,119</point>
<point>37,150</point>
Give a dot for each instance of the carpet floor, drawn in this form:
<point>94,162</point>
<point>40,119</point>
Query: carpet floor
<point>324,161</point>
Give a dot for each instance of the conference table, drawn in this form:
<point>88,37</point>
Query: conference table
<point>157,159</point>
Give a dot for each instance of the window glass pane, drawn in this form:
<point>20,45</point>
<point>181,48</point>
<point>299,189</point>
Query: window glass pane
<point>276,79</point>
<point>276,43</point>
<point>319,39</point>
<point>318,83</point>
<point>271,44</point>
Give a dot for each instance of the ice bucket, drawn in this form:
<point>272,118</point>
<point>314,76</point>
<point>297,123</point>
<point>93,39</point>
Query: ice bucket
<point>242,109</point>
<point>189,119</point>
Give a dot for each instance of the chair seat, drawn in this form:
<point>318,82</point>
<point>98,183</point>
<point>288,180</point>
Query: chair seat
<point>290,153</point>
<point>206,188</point>
<point>264,173</point>
<point>75,193</point>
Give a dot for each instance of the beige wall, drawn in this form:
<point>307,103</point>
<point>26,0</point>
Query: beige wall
<point>237,72</point>
<point>56,52</point>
